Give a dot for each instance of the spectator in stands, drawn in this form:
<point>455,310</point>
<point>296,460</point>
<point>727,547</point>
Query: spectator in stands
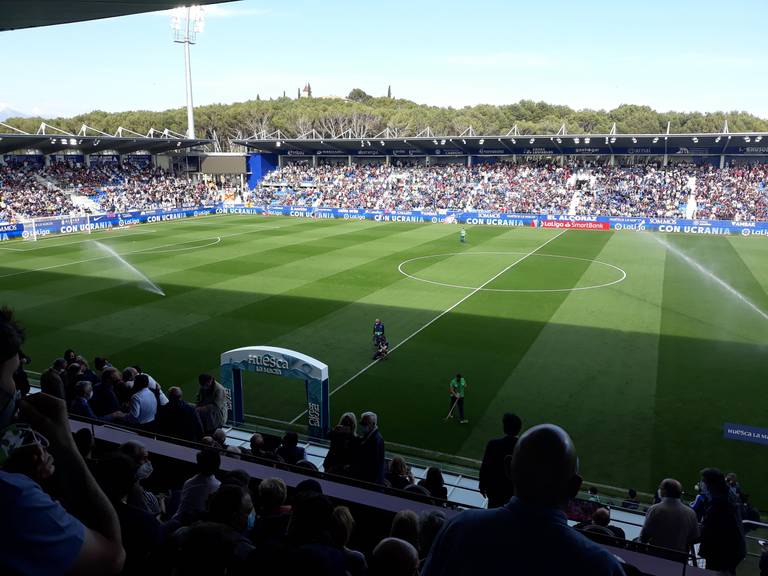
<point>399,475</point>
<point>196,490</point>
<point>100,364</point>
<point>530,534</point>
<point>80,405</point>
<point>430,524</point>
<point>342,438</point>
<point>142,532</point>
<point>72,376</point>
<point>40,536</point>
<point>258,450</point>
<point>139,497</point>
<point>70,356</point>
<point>733,484</point>
<point>104,401</point>
<point>143,404</point>
<point>86,372</point>
<point>273,514</point>
<point>395,557</point>
<point>342,527</point>
<point>211,403</point>
<point>592,495</point>
<point>631,502</point>
<point>289,449</point>
<point>494,483</point>
<point>217,545</point>
<point>405,525</point>
<point>368,463</point>
<point>220,438</point>
<point>434,483</point>
<point>722,535</point>
<point>600,524</point>
<point>51,380</point>
<point>178,418</point>
<point>309,535</point>
<point>670,523</point>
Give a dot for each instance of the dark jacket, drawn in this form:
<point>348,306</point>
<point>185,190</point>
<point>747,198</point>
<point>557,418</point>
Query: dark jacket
<point>80,407</point>
<point>494,482</point>
<point>104,400</point>
<point>722,536</point>
<point>179,419</point>
<point>340,451</point>
<point>368,464</point>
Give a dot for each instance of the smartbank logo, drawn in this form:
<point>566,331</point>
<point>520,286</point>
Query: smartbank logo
<point>575,225</point>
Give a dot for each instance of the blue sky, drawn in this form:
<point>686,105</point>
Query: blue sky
<point>672,55</point>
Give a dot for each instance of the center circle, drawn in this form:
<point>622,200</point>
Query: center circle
<point>620,273</point>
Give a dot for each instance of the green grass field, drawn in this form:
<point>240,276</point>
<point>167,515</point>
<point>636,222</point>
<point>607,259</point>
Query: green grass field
<point>643,372</point>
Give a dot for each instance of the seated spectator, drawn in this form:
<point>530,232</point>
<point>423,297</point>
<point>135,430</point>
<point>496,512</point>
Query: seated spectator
<point>217,545</point>
<point>631,502</point>
<point>289,450</point>
<point>258,451</point>
<point>139,497</point>
<point>368,461</point>
<point>342,438</point>
<point>72,376</point>
<point>593,495</point>
<point>394,557</point>
<point>308,485</point>
<point>405,526</point>
<point>196,490</point>
<point>733,484</point>
<point>399,474</point>
<point>430,524</point>
<point>529,534</point>
<point>307,465</point>
<point>494,483</point>
<point>142,532</point>
<point>51,380</point>
<point>211,403</point>
<point>342,528</point>
<point>178,419</point>
<point>104,401</point>
<point>434,483</point>
<point>86,372</point>
<point>273,514</point>
<point>144,403</point>
<point>80,405</point>
<point>238,478</point>
<point>309,536</point>
<point>600,524</point>
<point>722,535</point>
<point>670,523</point>
<point>220,438</point>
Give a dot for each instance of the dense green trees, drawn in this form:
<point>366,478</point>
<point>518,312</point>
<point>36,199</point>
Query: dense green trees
<point>362,115</point>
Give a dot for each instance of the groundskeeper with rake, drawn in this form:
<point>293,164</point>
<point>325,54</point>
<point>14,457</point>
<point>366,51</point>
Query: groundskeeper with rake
<point>457,388</point>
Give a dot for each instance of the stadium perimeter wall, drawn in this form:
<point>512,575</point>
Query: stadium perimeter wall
<point>43,227</point>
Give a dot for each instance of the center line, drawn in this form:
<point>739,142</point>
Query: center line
<point>443,313</point>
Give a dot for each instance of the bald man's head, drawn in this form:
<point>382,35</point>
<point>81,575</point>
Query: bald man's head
<point>394,557</point>
<point>544,467</point>
<point>601,517</point>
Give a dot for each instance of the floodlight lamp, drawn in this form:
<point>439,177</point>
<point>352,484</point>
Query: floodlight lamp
<point>575,140</point>
<point>717,139</point>
<point>278,144</point>
<point>747,138</point>
<point>634,140</point>
<point>695,140</point>
<point>513,141</point>
<point>442,142</point>
<point>382,142</point>
<point>655,140</point>
<point>559,141</point>
<point>613,140</point>
<point>532,140</point>
<point>758,139</point>
<point>586,140</point>
<point>463,141</point>
<point>481,142</point>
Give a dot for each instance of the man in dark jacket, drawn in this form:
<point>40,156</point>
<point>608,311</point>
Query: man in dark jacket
<point>104,401</point>
<point>722,536</point>
<point>368,463</point>
<point>494,483</point>
<point>178,418</point>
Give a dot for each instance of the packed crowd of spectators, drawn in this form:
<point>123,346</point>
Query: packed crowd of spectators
<point>732,193</point>
<point>31,190</point>
<point>97,510</point>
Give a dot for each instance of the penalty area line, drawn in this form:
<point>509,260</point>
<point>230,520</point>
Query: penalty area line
<point>436,318</point>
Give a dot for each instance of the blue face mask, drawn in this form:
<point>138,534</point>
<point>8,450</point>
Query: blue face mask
<point>7,413</point>
<point>251,520</point>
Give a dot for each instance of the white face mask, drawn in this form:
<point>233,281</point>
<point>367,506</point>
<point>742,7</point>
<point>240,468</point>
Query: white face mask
<point>144,471</point>
<point>89,395</point>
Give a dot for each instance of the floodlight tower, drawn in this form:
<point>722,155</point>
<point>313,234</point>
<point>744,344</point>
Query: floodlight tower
<point>187,22</point>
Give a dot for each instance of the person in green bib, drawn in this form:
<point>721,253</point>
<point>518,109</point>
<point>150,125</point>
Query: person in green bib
<point>457,389</point>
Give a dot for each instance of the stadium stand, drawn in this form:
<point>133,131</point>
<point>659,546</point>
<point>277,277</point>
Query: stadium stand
<point>292,521</point>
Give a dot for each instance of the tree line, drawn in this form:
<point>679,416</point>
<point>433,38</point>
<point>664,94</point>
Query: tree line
<point>361,115</point>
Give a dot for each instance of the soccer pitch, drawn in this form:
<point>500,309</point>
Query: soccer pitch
<point>639,355</point>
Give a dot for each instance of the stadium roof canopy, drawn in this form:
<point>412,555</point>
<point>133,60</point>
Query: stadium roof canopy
<point>50,140</point>
<point>714,144</point>
<point>15,14</point>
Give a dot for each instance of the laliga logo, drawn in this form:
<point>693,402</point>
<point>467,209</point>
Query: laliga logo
<point>268,361</point>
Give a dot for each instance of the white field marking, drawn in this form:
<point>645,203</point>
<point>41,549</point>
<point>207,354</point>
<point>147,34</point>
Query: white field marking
<point>216,240</point>
<point>267,419</point>
<point>145,250</point>
<point>573,289</point>
<point>436,318</point>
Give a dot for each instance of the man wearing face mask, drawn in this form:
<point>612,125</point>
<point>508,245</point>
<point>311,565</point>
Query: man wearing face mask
<point>81,404</point>
<point>368,463</point>
<point>139,497</point>
<point>82,536</point>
